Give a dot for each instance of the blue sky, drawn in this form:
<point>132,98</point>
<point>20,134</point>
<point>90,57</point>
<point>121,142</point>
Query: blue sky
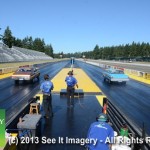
<point>78,25</point>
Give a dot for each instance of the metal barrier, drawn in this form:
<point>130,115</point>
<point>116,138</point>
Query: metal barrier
<point>148,76</point>
<point>137,73</point>
<point>8,70</point>
<point>117,119</point>
<point>0,71</point>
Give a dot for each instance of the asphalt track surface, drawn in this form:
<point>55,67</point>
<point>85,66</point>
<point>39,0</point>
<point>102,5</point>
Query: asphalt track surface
<point>133,99</point>
<point>14,97</point>
<point>72,122</point>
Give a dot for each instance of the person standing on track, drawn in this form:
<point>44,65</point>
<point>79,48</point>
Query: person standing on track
<point>102,132</point>
<point>71,83</point>
<point>46,88</point>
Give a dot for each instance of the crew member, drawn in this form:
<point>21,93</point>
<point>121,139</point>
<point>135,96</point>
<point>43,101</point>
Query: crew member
<point>102,132</point>
<point>71,83</point>
<point>46,88</point>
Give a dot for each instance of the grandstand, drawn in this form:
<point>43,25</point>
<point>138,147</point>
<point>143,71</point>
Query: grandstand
<point>17,54</point>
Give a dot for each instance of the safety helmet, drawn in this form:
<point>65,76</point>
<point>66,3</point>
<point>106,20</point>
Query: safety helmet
<point>46,76</point>
<point>102,117</point>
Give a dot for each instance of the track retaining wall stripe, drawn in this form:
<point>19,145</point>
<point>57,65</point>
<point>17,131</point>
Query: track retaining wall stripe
<point>140,79</point>
<point>100,99</point>
<point>134,74</point>
<point>6,75</point>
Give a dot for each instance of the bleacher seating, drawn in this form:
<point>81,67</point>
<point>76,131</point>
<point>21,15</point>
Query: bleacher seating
<point>16,54</point>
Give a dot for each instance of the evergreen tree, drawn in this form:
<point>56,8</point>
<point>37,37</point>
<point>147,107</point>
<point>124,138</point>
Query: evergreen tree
<point>7,37</point>
<point>1,36</point>
<point>27,42</point>
<point>39,45</point>
<point>96,52</point>
<point>49,50</point>
<point>17,42</point>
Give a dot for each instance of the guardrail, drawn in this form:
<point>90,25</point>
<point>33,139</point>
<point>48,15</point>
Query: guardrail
<point>117,119</point>
<point>8,70</point>
<point>144,75</point>
<point>13,69</point>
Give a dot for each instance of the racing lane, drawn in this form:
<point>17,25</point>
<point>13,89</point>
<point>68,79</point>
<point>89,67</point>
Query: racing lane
<point>132,99</point>
<point>13,97</point>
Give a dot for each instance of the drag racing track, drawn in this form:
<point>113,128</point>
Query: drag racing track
<point>133,99</point>
<point>14,97</point>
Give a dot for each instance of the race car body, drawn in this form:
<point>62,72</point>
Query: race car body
<point>26,73</point>
<point>115,75</point>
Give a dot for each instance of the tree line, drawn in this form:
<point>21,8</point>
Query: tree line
<point>133,51</point>
<point>138,51</point>
<point>28,42</point>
